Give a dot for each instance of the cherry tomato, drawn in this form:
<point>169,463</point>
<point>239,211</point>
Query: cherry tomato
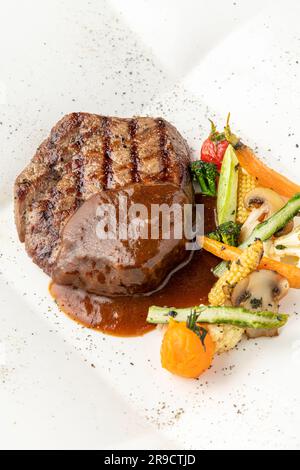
<point>213,152</point>
<point>214,147</point>
<point>221,149</point>
<point>208,151</point>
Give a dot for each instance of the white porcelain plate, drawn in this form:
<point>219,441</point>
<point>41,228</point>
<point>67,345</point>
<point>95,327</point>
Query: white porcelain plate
<point>63,386</point>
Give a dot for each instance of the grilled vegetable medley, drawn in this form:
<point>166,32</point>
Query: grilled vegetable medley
<point>258,241</point>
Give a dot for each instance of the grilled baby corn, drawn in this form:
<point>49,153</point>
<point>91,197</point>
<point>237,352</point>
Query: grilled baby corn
<point>247,262</point>
<point>246,184</point>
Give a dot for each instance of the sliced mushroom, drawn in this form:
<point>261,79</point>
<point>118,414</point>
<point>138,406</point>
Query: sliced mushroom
<point>286,229</point>
<point>259,196</point>
<point>252,221</point>
<point>263,202</point>
<point>261,332</point>
<point>261,290</point>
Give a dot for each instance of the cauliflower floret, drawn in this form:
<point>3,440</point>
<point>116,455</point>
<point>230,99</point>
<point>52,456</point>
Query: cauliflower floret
<point>225,337</point>
<point>288,245</point>
<point>269,249</point>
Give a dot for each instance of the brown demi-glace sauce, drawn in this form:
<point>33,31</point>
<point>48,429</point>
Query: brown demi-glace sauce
<point>126,316</point>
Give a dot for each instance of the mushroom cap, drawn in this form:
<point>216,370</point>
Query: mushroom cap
<point>286,229</point>
<point>252,221</point>
<point>259,196</point>
<point>259,332</point>
<point>261,290</point>
<point>263,203</point>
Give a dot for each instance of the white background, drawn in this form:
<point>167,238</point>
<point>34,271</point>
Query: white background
<point>62,386</point>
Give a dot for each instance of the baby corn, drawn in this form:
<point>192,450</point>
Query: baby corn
<point>245,264</point>
<point>246,184</point>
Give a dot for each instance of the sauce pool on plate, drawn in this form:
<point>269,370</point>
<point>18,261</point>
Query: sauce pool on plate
<point>126,316</point>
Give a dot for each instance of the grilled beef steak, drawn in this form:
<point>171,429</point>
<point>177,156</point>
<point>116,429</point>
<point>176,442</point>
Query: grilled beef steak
<point>89,160</point>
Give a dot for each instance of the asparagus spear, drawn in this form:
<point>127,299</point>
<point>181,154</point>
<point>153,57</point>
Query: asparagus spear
<point>266,229</point>
<point>236,316</point>
<point>277,221</point>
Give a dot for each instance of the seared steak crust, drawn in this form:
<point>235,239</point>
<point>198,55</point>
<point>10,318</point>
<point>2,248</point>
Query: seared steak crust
<point>86,154</point>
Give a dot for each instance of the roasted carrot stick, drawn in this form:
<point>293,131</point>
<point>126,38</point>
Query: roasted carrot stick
<point>230,253</point>
<point>266,176</point>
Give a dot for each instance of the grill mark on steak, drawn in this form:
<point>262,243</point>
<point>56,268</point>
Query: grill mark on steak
<point>134,153</point>
<point>107,160</point>
<point>78,171</point>
<point>77,142</point>
<point>164,152</point>
<point>82,152</point>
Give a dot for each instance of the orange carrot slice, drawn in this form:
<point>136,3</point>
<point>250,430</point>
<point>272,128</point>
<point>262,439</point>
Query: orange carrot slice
<point>266,176</point>
<point>230,253</point>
